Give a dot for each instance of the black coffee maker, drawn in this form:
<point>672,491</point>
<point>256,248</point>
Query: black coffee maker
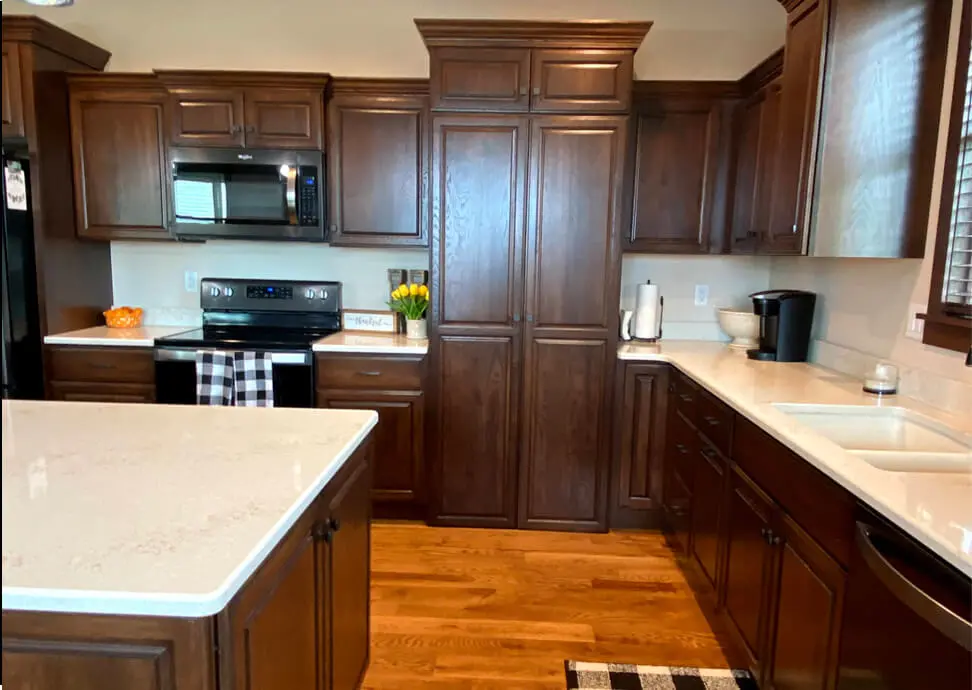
<point>785,318</point>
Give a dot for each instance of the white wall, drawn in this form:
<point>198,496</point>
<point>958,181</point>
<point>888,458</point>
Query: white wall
<point>151,275</point>
<point>730,281</point>
<point>691,39</point>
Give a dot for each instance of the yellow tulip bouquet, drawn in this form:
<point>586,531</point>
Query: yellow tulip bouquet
<point>410,300</point>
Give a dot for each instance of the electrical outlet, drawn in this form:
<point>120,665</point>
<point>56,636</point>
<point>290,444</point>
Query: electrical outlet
<point>916,327</point>
<point>701,295</point>
<point>191,281</point>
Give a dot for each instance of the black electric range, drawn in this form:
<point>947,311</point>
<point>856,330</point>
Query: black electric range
<point>279,317</point>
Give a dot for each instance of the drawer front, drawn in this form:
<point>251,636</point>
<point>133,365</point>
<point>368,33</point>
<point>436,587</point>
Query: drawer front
<point>386,373</point>
<point>687,397</point>
<point>102,392</point>
<point>101,364</point>
<point>715,421</point>
<point>821,507</point>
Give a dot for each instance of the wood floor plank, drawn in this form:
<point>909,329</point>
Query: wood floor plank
<point>478,608</point>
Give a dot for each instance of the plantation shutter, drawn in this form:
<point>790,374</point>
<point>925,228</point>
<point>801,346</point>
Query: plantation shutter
<point>957,285</point>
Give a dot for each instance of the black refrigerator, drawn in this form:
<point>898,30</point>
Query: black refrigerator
<point>22,353</point>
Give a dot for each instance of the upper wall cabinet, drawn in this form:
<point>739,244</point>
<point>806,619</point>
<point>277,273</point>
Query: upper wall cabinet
<point>13,108</point>
<point>378,149</point>
<point>556,67</point>
<point>679,171</point>
<point>251,109</point>
<point>118,148</point>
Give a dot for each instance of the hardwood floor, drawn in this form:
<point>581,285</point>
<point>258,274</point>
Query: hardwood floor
<point>488,608</point>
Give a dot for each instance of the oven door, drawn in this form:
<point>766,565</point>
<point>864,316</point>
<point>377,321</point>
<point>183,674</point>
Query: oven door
<point>175,377</point>
<point>246,194</point>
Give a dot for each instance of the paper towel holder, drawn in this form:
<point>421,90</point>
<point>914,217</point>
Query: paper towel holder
<point>626,315</point>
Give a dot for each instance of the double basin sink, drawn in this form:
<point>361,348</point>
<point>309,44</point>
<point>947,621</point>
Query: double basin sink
<point>889,438</point>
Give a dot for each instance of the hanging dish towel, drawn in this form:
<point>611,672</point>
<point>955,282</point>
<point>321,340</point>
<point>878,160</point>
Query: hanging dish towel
<point>214,378</point>
<point>254,379</point>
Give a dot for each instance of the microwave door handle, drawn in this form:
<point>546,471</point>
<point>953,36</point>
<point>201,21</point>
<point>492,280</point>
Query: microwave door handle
<point>292,195</point>
<point>954,627</point>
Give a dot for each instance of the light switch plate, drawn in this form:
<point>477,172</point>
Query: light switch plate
<point>701,295</point>
<point>915,328</point>
<point>192,281</point>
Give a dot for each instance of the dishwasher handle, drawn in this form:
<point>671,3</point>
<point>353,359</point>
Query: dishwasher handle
<point>947,622</point>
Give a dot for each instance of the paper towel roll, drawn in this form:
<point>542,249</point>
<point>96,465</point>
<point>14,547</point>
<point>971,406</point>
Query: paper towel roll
<point>646,312</point>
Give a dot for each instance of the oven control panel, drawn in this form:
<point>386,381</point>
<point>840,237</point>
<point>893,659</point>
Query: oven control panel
<point>231,294</point>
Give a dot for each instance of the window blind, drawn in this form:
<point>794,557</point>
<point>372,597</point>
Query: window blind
<point>957,285</point>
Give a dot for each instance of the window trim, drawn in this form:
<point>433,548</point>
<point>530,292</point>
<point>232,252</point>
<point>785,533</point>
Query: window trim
<point>941,329</point>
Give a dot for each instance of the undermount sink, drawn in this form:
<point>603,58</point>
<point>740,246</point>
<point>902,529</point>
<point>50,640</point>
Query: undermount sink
<point>889,438</point>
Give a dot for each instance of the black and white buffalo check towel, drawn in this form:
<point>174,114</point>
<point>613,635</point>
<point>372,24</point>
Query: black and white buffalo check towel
<point>254,379</point>
<point>590,676</point>
<point>214,378</point>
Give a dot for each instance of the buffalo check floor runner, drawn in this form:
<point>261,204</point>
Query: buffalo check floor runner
<point>591,676</point>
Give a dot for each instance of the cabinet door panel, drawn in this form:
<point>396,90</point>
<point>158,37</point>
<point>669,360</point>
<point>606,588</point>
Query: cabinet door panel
<point>284,118</point>
<point>477,219</point>
<point>581,80</point>
<point>576,185</point>
<point>642,436</point>
<point>480,79</point>
<point>707,501</point>
<point>476,456</point>
<point>809,605</point>
<point>377,150</point>
<point>13,105</point>
<point>747,563</point>
<point>349,573</point>
<point>564,459</point>
<point>120,169</point>
<point>675,170</point>
<point>681,448</point>
<point>797,128</point>
<point>398,439</point>
<point>206,117</point>
<point>748,116</point>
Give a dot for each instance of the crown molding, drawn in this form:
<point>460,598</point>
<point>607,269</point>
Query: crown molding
<point>762,74</point>
<point>23,28</point>
<point>533,34</point>
<point>380,86</point>
<point>210,78</point>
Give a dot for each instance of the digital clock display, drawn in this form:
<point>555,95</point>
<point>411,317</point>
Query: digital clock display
<point>269,292</point>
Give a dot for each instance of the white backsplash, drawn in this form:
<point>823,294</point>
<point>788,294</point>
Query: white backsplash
<point>731,279</point>
<point>152,275</point>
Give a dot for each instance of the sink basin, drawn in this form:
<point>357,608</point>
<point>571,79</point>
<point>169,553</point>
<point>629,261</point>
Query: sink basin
<point>889,438</point>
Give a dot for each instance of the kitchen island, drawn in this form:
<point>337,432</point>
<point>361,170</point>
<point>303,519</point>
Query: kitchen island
<point>191,548</point>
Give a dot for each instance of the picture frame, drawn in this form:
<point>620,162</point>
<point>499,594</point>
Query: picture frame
<point>369,321</point>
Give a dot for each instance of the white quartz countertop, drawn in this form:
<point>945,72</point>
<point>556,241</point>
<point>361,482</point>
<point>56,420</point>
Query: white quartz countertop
<point>123,337</point>
<point>935,508</point>
<point>154,509</point>
<point>371,343</point>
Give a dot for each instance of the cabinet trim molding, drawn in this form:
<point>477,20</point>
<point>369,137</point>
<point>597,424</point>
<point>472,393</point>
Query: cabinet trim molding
<point>546,34</point>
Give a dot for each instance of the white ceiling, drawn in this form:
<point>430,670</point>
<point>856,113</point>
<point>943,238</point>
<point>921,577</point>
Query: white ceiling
<point>691,39</point>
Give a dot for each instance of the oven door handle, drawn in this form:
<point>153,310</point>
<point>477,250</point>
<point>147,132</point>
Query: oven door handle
<point>954,627</point>
<point>177,355</point>
<point>292,194</point>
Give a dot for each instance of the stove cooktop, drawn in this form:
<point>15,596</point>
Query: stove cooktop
<point>246,338</point>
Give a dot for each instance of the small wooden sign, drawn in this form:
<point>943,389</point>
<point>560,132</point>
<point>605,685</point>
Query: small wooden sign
<point>369,321</point>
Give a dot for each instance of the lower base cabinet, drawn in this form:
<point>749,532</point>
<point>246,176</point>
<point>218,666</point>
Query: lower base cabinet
<point>300,622</point>
<point>100,374</point>
<point>707,510</point>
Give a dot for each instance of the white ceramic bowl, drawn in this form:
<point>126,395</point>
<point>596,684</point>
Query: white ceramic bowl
<point>741,326</point>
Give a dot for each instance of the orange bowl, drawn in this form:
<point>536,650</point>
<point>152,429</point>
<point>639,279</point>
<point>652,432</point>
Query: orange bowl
<point>123,317</point>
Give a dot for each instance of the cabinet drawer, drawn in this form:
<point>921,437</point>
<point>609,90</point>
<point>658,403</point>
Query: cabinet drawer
<point>75,391</point>
<point>821,507</point>
<point>687,397</point>
<point>715,421</point>
<point>110,365</point>
<point>387,373</point>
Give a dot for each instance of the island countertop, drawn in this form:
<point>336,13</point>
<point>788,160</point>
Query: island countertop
<point>153,509</point>
<point>935,508</point>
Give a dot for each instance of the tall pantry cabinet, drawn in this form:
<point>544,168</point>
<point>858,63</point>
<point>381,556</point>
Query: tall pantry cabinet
<point>530,128</point>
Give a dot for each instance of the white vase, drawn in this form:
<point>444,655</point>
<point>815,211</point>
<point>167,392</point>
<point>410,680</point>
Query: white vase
<point>416,329</point>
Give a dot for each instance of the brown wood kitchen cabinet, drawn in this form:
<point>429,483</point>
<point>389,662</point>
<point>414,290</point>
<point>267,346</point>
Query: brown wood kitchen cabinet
<point>641,401</point>
<point>539,67</point>
<point>13,103</point>
<point>119,155</point>
<point>378,148</point>
<point>100,374</point>
<point>679,167</point>
<point>393,386</point>
<point>245,109</point>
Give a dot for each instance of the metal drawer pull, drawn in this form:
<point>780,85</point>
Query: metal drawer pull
<point>711,421</point>
<point>680,447</point>
<point>940,617</point>
<point>369,373</point>
<point>686,397</point>
<point>709,453</point>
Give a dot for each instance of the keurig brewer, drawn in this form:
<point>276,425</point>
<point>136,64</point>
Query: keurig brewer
<point>785,318</point>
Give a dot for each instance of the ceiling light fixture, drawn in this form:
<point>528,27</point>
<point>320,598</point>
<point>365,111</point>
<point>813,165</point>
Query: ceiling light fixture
<point>51,3</point>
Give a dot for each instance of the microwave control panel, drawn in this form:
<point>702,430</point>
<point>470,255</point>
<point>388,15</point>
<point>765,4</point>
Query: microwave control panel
<point>309,195</point>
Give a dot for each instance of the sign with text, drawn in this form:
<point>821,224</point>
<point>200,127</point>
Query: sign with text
<point>369,321</point>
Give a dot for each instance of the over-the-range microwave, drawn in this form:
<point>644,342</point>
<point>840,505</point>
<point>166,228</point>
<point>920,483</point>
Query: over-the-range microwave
<point>247,194</point>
